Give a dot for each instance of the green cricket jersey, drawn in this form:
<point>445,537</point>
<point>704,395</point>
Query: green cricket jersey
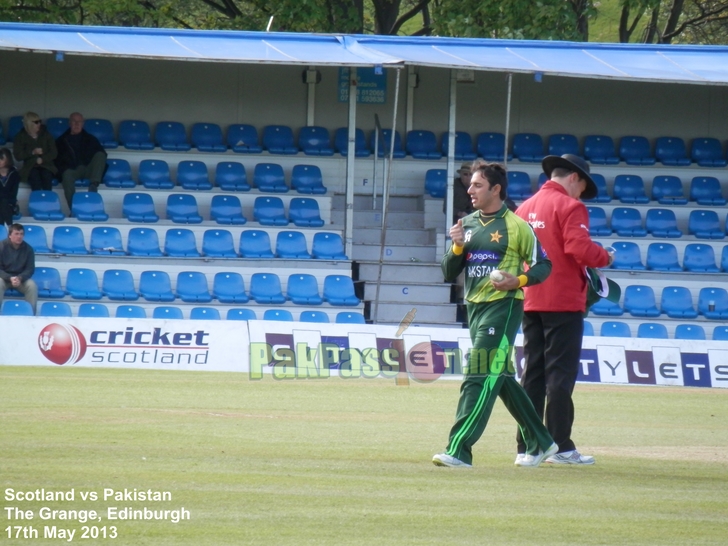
<point>498,241</point>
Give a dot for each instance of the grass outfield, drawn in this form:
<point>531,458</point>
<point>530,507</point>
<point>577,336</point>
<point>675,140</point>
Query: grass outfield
<point>332,462</point>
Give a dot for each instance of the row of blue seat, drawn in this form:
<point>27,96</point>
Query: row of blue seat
<point>179,243</point>
<point>628,222</point>
<point>100,310</point>
<point>192,287</point>
<point>675,301</point>
<point>656,330</point>
<point>181,208</point>
<point>697,258</point>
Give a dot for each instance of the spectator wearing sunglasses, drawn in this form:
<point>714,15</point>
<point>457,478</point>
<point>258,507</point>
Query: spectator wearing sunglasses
<point>35,147</point>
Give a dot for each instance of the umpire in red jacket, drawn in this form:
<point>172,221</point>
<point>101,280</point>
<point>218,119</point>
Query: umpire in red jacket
<point>553,321</point>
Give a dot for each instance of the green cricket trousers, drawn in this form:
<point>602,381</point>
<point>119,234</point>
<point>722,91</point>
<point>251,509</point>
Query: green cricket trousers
<point>491,373</point>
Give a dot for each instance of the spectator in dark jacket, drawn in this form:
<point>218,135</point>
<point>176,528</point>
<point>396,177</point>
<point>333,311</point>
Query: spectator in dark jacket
<point>17,265</point>
<point>80,155</point>
<point>9,182</point>
<point>34,146</point>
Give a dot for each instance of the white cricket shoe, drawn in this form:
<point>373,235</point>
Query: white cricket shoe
<point>532,461</point>
<point>519,458</point>
<point>570,457</point>
<point>443,459</point>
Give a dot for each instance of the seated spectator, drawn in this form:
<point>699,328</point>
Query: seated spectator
<point>80,155</point>
<point>35,147</point>
<point>17,265</point>
<point>9,182</point>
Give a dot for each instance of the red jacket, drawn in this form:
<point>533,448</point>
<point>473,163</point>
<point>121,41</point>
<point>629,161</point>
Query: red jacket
<point>561,224</point>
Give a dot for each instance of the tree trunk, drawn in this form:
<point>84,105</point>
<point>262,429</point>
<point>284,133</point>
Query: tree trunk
<point>386,13</point>
<point>675,11</point>
<point>582,20</point>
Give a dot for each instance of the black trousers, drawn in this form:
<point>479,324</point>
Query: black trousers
<point>40,179</point>
<point>552,347</point>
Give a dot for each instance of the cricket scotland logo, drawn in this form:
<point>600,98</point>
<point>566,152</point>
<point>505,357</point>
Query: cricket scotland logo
<point>62,344</point>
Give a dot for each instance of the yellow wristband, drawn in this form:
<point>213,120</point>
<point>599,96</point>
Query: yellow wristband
<point>457,249</point>
<point>522,281</point>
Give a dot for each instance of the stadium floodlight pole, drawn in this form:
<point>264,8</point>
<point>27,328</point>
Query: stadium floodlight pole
<point>385,196</point>
<point>508,120</point>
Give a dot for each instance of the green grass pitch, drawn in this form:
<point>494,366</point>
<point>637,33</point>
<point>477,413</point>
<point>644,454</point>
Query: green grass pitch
<point>338,462</point>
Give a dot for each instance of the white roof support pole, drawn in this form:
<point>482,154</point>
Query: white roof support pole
<point>451,151</point>
<point>508,120</point>
<point>350,159</point>
<point>311,84</point>
<point>411,85</point>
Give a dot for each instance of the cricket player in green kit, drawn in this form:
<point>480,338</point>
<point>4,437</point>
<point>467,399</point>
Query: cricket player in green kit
<point>493,238</point>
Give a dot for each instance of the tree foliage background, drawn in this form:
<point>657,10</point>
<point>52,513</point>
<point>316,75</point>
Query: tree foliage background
<point>647,21</point>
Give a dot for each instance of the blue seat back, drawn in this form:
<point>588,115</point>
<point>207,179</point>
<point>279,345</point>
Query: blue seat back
<point>635,150</point>
<point>243,138</point>
<point>422,145</point>
<point>305,212</point>
<point>671,151</point>
<point>269,211</point>
<point>130,311</point>
<point>600,149</point>
<point>278,314</point>
<point>615,328</point>
<point>314,140</point>
<point>192,175</point>
<point>307,179</point>
<point>226,209</point>
<point>106,241</point>
<point>204,313</point>
<point>314,316</point>
<point>207,137</point>
<point>463,146</point>
<point>57,126</point>
<point>628,256</point>
<point>94,310</point>
<point>231,176</point>
<point>689,331</point>
<point>36,237</point>
<point>55,309</point>
<point>436,182</point>
<point>341,142</point>
<point>639,301</point>
<point>706,190</point>
<point>69,240</point>
<point>385,140</point>
<point>350,317</point>
<point>168,312</point>
<point>601,184</point>
<point>700,258</point>
<point>241,314</point>
<point>255,243</point>
<point>171,135</point>
<point>627,222</point>
<point>652,330</point>
<point>269,177</point>
<point>528,147</point>
<point>139,207</point>
<point>713,302</point>
<point>278,139</point>
<point>668,190</point>
<point>17,307</point>
<point>291,244</point>
<point>118,174</point>
<point>182,208</point>
<point>180,243</point>
<point>88,206</point>
<point>135,135</point>
<point>154,174</point>
<point>48,280</point>
<point>143,242</point>
<point>662,223</point>
<point>83,283</point>
<point>266,288</point>
<point>118,284</point>
<point>662,257</point>
<point>156,286</point>
<point>229,287</point>
<point>492,146</point>
<point>218,243</point>
<point>339,290</point>
<point>45,205</point>
<point>629,188</point>
<point>561,144</point>
<point>677,302</point>
<point>519,185</point>
<point>707,152</point>
<point>302,289</point>
<point>192,287</point>
<point>103,130</point>
<point>705,224</point>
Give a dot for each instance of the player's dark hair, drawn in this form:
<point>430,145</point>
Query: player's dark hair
<point>494,173</point>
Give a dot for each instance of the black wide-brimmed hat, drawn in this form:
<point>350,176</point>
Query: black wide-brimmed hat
<point>573,163</point>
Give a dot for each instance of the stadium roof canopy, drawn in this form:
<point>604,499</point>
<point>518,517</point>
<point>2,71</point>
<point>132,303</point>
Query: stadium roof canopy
<point>658,63</point>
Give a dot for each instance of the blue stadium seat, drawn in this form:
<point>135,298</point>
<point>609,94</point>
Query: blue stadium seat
<point>704,224</point>
<point>350,317</point>
<point>339,290</point>
<point>278,314</point>
<point>341,142</point>
<point>677,302</point>
<point>689,331</point>
<point>207,137</point>
<point>307,179</point>
<point>436,182</point>
<point>243,139</point>
<point>17,307</point>
<point>45,205</point>
<point>708,152</point>
<point>227,210</point>
<point>627,222</point>
<point>192,175</point>
<point>528,147</point>
<point>168,312</point>
<point>106,241</point>
<point>118,174</point>
<point>662,257</point>
<point>613,328</point>
<point>328,246</point>
<point>305,212</point>
<point>229,287</point>
<point>265,288</point>
<point>130,311</point>
<point>83,284</point>
<point>154,174</point>
<point>561,144</point>
<point>422,145</point>
<point>171,136</point>
<point>303,289</point>
<point>313,140</point>
<point>668,190</point>
<point>627,256</point>
<point>269,211</point>
<point>292,245</point>
<point>48,280</point>
<point>278,139</point>
<point>385,142</point>
<point>134,134</point>
<point>599,149</point>
<point>55,309</point>
<point>88,207</point>
<point>93,310</point>
<point>463,146</point>
<point>672,151</point>
<point>57,126</point>
<point>635,150</point>
<point>706,190</point>
<point>182,209</point>
<point>156,286</point>
<point>269,177</point>
<point>492,146</point>
<point>36,237</point>
<point>652,330</point>
<point>519,185</point>
<point>720,333</point>
<point>700,258</point>
<point>255,243</point>
<point>68,240</point>
<point>629,188</point>
<point>15,124</point>
<point>204,313</point>
<point>602,193</point>
<point>598,223</point>
<point>241,314</point>
<point>192,287</point>
<point>314,316</point>
<point>723,258</point>
<point>588,329</point>
<point>118,284</point>
<point>143,242</point>
<point>639,301</point>
<point>604,307</point>
<point>180,243</point>
<point>231,176</point>
<point>218,243</point>
<point>713,303</point>
<point>662,223</point>
<point>139,207</point>
<point>103,130</point>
